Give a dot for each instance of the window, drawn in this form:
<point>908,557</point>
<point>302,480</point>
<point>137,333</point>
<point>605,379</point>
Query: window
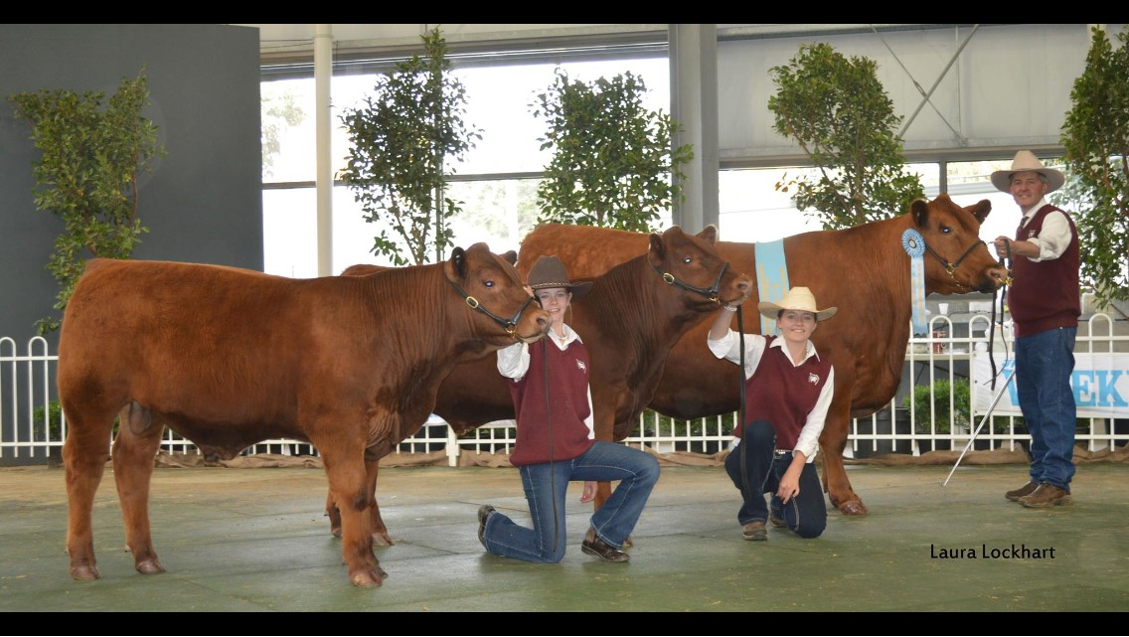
<point>497,183</point>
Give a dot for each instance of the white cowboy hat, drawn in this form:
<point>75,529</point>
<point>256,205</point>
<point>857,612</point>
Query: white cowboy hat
<point>798,298</point>
<point>1025,160</point>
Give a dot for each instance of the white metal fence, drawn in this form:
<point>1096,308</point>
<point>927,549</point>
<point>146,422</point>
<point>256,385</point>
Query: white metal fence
<point>943,412</point>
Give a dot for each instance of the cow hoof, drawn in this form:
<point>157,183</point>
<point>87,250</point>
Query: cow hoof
<point>369,578</point>
<point>853,507</point>
<point>336,532</point>
<point>150,567</point>
<point>627,543</point>
<point>381,539</point>
<point>85,573</point>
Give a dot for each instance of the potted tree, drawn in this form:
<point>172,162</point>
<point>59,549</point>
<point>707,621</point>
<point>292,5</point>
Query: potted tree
<point>835,108</point>
<point>613,164</point>
<point>88,174</point>
<point>402,139</point>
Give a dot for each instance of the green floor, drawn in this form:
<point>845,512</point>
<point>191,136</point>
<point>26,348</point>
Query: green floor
<point>256,540</point>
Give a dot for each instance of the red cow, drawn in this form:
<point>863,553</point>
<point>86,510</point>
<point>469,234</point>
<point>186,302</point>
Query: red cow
<point>229,357</point>
<point>864,271</point>
<point>635,312</point>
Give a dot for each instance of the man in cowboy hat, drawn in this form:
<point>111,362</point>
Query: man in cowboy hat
<point>1044,305</point>
<point>788,390</point>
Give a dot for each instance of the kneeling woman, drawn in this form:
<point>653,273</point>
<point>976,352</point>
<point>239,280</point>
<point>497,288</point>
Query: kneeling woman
<point>555,441</point>
<point>788,389</point>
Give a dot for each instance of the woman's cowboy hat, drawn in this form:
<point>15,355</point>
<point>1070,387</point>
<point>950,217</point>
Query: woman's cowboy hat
<point>549,272</point>
<point>798,298</point>
<point>1025,160</point>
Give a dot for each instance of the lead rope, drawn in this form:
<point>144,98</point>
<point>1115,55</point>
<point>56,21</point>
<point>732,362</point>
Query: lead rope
<point>741,408</point>
<point>1003,297</point>
<point>549,422</point>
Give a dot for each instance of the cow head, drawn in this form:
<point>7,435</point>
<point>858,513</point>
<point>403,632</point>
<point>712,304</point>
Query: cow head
<point>490,286</point>
<point>692,262</point>
<point>957,260</point>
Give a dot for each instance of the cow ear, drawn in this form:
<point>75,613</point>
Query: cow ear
<point>458,262</point>
<point>709,233</point>
<point>920,211</point>
<point>658,248</point>
<point>511,257</point>
<point>980,210</point>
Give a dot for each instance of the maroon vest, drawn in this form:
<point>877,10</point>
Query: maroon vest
<point>1045,294</point>
<point>782,394</point>
<point>567,406</point>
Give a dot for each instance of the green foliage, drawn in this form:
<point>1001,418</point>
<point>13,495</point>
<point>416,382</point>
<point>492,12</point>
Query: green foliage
<point>613,164</point>
<point>400,142</point>
<point>838,112</point>
<point>1096,137</point>
<point>49,420</point>
<point>696,427</point>
<point>280,110</point>
<point>88,174</point>
<point>937,397</point>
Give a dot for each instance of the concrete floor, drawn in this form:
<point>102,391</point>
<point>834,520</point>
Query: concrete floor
<point>256,540</point>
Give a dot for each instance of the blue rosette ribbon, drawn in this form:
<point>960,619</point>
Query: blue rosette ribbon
<point>914,245</point>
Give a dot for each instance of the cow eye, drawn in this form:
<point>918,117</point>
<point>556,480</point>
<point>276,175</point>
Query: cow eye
<point>946,230</point>
<point>488,284</point>
<point>688,260</point>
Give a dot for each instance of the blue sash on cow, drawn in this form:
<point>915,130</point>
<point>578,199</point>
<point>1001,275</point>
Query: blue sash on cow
<point>772,276</point>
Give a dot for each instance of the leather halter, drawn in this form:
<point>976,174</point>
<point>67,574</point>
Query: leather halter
<point>950,268</point>
<point>712,293</point>
<point>510,325</point>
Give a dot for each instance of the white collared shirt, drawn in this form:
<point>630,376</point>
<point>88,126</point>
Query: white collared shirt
<point>1053,237</point>
<point>729,348</point>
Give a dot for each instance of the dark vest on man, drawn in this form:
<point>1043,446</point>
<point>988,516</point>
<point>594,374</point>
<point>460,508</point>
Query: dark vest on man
<point>1045,294</point>
<point>784,394</point>
<point>563,416</point>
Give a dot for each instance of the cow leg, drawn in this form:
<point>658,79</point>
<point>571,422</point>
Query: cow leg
<point>380,535</point>
<point>85,452</point>
<point>134,448</point>
<point>334,514</point>
<point>349,488</point>
<point>833,441</point>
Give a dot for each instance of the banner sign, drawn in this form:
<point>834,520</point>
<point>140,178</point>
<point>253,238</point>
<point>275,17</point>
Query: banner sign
<point>1100,382</point>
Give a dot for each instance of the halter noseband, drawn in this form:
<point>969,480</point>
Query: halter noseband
<point>950,268</point>
<point>510,325</point>
<point>712,293</point>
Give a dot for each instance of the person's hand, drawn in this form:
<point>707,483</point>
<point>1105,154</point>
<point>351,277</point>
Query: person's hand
<point>1003,246</point>
<point>789,487</point>
<point>589,492</point>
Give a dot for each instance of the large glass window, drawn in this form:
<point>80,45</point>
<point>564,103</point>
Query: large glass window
<point>496,183</point>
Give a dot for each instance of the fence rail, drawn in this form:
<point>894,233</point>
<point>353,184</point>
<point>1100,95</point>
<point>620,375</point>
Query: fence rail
<point>938,371</point>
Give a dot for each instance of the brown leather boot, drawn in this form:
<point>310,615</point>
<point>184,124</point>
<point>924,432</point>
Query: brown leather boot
<point>1026,489</point>
<point>1046,496</point>
<point>754,532</point>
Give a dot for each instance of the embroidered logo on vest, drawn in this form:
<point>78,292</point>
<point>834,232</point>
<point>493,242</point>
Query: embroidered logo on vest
<point>813,379</point>
<point>580,366</point>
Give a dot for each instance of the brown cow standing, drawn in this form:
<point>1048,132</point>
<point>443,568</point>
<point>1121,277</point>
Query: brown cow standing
<point>864,271</point>
<point>635,312</point>
<point>229,357</point>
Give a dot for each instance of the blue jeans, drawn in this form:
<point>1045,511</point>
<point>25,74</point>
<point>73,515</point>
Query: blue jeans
<point>545,487</point>
<point>805,514</point>
<point>1043,365</point>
